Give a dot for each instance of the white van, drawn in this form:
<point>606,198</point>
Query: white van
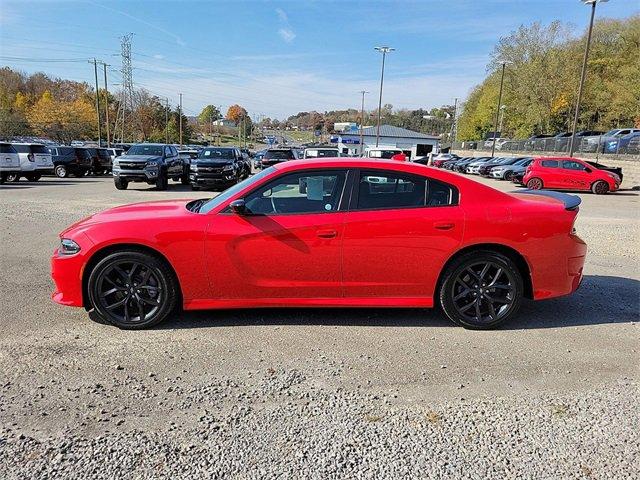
<point>35,160</point>
<point>321,152</point>
<point>9,163</point>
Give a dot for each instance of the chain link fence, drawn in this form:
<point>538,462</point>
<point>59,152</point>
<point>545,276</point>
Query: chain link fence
<point>596,144</point>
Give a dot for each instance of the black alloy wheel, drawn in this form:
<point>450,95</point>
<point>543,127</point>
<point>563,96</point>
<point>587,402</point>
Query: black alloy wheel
<point>481,290</point>
<point>600,187</point>
<point>132,290</point>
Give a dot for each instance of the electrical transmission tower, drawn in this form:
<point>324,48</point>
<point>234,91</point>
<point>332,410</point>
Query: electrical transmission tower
<point>126,95</point>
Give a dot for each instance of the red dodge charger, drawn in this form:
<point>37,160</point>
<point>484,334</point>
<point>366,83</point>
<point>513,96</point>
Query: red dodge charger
<point>326,233</point>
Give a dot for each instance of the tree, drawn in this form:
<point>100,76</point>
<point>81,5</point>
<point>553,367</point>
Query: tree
<point>62,121</point>
<point>235,113</point>
<point>209,113</point>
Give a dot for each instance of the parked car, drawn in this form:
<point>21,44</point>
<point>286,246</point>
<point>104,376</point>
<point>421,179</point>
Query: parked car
<point>35,161</point>
<point>562,142</point>
<point>473,168</point>
<point>536,141</point>
<point>321,152</point>
<point>70,161</point>
<point>620,144</point>
<point>265,243</point>
<point>115,153</point>
<point>9,163</point>
<point>218,167</point>
<point>486,167</point>
<point>441,158</point>
<point>101,163</point>
<point>151,163</point>
<point>506,171</point>
<point>598,143</point>
<point>569,174</point>
<point>488,143</point>
<point>274,156</point>
<point>600,166</point>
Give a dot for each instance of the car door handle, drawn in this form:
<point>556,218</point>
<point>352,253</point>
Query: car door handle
<point>444,225</point>
<point>327,233</point>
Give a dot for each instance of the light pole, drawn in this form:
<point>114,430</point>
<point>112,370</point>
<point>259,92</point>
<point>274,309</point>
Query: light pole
<point>583,75</point>
<point>495,124</point>
<point>384,51</point>
<point>363,92</point>
<point>502,109</point>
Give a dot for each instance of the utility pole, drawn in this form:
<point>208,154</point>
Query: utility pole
<point>454,125</point>
<point>495,124</point>
<point>384,51</point>
<point>363,92</point>
<point>583,75</point>
<point>180,119</point>
<point>95,71</point>
<point>166,120</point>
<point>106,102</point>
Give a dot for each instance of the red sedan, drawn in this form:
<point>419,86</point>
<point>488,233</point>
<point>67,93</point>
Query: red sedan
<point>326,233</point>
<point>566,173</point>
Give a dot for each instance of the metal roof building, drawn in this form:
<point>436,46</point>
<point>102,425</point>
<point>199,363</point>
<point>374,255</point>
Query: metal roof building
<point>390,137</point>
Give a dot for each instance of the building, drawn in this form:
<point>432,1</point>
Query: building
<point>223,122</point>
<point>419,144</point>
<point>344,127</point>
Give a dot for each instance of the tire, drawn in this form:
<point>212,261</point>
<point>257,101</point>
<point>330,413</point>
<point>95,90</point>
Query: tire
<point>508,175</point>
<point>184,179</point>
<point>600,187</point>
<point>121,184</point>
<point>33,177</point>
<point>162,181</point>
<point>466,293</point>
<point>115,299</point>
<point>12,177</point>
<point>535,184</point>
<point>61,171</point>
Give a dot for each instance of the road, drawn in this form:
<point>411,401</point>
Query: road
<point>323,393</point>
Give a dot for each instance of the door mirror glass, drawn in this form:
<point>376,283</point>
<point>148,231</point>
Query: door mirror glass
<point>238,207</point>
<point>588,170</point>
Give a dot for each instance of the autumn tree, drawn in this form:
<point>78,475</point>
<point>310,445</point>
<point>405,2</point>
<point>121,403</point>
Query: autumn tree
<point>62,121</point>
<point>235,113</point>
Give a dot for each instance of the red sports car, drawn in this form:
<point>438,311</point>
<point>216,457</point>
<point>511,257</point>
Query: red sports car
<point>566,173</point>
<point>326,233</point>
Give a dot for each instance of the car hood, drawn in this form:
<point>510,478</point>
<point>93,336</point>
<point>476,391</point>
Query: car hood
<point>137,211</point>
<point>139,158</point>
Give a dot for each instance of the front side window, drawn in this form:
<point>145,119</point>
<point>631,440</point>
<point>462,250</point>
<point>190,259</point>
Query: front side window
<point>167,151</point>
<point>302,192</point>
<point>22,148</point>
<point>39,149</point>
<point>571,165</point>
<point>549,163</point>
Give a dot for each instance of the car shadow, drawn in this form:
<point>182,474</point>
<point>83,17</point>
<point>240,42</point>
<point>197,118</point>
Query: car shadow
<point>600,300</point>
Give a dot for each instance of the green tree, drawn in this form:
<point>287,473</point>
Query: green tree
<point>209,113</point>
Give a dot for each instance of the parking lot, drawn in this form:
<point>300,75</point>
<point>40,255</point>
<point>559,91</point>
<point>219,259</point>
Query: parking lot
<point>315,393</point>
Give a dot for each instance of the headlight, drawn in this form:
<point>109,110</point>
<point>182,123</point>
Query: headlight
<point>227,168</point>
<point>68,247</point>
<point>193,167</point>
<point>614,176</point>
<point>151,163</point>
<point>116,164</point>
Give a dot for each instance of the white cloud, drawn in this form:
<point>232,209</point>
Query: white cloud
<point>157,56</point>
<point>287,34</point>
<point>282,15</point>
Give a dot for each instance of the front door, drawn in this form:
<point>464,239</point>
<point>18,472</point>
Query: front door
<point>399,232</point>
<point>287,245</point>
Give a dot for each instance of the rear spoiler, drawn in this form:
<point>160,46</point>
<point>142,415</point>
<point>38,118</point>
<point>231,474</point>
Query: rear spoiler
<point>571,202</point>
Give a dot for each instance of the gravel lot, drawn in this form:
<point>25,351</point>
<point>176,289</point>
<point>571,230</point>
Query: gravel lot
<point>326,393</point>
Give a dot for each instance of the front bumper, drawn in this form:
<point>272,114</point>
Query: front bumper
<point>221,179</point>
<point>143,175</point>
<point>66,272</point>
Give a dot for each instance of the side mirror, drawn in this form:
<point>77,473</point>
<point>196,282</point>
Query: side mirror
<point>238,207</point>
<point>588,170</point>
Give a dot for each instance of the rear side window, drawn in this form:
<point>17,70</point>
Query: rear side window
<point>22,148</point>
<point>440,194</point>
<point>549,163</point>
<point>39,149</point>
<point>7,148</point>
<point>388,190</point>
<point>279,155</point>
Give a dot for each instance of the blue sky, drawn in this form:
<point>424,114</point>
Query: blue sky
<point>277,58</point>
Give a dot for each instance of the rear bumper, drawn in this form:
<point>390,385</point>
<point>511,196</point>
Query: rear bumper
<point>555,277</point>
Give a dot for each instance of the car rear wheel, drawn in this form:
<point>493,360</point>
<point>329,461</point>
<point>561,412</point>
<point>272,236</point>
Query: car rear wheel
<point>535,184</point>
<point>121,184</point>
<point>60,171</point>
<point>132,290</point>
<point>600,187</point>
<point>33,177</point>
<point>481,290</point>
<point>12,177</point>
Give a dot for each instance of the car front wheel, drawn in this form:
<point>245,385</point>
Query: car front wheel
<point>481,290</point>
<point>600,187</point>
<point>534,184</point>
<point>60,171</point>
<point>162,182</point>
<point>121,184</point>
<point>132,290</point>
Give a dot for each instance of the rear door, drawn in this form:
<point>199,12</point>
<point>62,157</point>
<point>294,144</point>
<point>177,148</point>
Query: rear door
<point>400,230</point>
<point>551,174</point>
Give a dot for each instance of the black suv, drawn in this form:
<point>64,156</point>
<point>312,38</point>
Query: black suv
<point>152,163</point>
<point>218,167</point>
<point>100,160</point>
<point>70,161</point>
<point>277,155</point>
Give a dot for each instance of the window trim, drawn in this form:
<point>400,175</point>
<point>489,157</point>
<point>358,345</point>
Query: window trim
<point>342,208</point>
<point>355,191</point>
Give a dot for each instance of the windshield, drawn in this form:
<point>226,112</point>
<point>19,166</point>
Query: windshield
<point>155,150</point>
<point>612,132</point>
<point>230,192</point>
<point>279,155</point>
<point>320,153</point>
<point>216,154</point>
